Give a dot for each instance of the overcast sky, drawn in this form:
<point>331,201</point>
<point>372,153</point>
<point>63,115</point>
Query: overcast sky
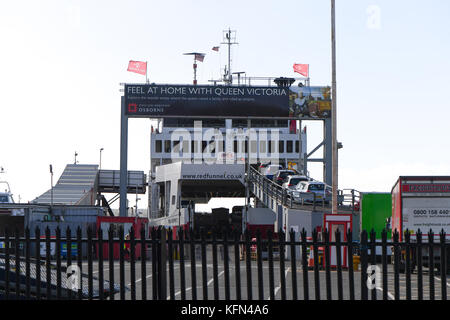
<point>62,62</point>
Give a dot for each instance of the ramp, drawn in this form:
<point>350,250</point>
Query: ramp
<point>76,186</point>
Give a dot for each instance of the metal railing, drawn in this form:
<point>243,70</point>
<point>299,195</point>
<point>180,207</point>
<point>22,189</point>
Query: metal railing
<point>193,266</point>
<point>348,198</point>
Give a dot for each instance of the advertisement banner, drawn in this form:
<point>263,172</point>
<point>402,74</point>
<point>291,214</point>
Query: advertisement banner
<point>226,101</point>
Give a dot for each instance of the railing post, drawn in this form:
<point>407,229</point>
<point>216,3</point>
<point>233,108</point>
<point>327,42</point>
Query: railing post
<point>143,262</point>
<point>444,266</point>
<point>305,266</point>
<point>431,262</point>
<point>162,295</point>
<point>396,265</point>
<point>408,264</point>
<point>419,265</point>
<point>364,265</point>
<point>384,262</point>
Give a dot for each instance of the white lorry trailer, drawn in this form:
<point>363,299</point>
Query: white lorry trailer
<point>422,203</point>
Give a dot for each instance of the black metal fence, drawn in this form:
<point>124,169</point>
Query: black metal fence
<point>191,266</point>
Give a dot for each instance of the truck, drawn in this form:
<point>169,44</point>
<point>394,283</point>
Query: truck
<point>422,203</point>
<point>375,209</point>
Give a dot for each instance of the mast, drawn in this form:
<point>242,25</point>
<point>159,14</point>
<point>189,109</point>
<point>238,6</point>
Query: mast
<point>229,38</point>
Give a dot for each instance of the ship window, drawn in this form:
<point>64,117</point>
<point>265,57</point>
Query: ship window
<point>219,146</point>
<point>297,146</point>
<point>235,146</point>
<point>262,146</point>
<point>173,200</point>
<point>167,148</point>
<point>3,199</point>
<point>253,147</point>
<point>289,146</point>
<point>204,144</point>
<point>185,146</point>
<point>281,146</point>
<point>158,146</point>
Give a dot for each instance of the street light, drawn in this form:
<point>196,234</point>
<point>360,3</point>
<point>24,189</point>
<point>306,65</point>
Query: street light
<point>334,147</point>
<point>101,149</point>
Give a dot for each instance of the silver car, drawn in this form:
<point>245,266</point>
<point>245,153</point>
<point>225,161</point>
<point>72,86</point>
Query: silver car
<point>292,181</point>
<point>305,191</point>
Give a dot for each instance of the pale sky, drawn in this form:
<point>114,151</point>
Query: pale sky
<point>62,62</point>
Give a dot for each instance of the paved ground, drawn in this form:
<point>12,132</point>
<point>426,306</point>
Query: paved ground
<point>288,272</point>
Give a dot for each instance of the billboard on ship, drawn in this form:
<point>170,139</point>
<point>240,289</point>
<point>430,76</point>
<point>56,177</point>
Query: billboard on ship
<point>161,101</point>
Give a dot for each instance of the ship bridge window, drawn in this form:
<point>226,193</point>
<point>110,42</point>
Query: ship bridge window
<point>185,146</point>
<point>297,146</point>
<point>281,146</point>
<point>289,146</point>
<point>253,146</point>
<point>262,146</point>
<point>3,199</point>
<point>167,146</point>
<point>158,146</point>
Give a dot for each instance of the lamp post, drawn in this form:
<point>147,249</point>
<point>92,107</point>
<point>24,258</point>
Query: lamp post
<point>334,156</point>
<point>75,161</point>
<point>101,149</point>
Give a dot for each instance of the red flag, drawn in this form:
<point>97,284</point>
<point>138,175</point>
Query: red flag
<point>199,57</point>
<point>215,48</point>
<point>303,69</point>
<point>138,67</point>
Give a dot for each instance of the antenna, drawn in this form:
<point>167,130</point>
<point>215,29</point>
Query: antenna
<point>229,38</point>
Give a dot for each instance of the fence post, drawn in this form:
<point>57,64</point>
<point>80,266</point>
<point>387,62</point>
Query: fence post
<point>90,266</point>
<point>171,269</point>
<point>58,262</point>
<point>316,265</point>
<point>121,263</point>
<point>444,266</point>
<point>248,264</point>
<point>27,263</point>
<point>384,262</point>
<point>143,262</point>
<point>100,263</point>
<point>111,262</point>
<point>305,266</point>
<point>364,264</point>
<point>351,283</point>
<point>337,236</point>
<point>259,265</point>
<point>237,267</point>
<point>132,259</point>
<point>182,270</point>
<point>326,237</point>
<point>69,256</point>
<point>408,264</point>
<point>226,264</point>
<point>17,261</point>
<point>162,265</point>
<point>396,265</point>
<point>431,262</point>
<point>419,265</point>
<point>373,256</point>
<point>48,262</point>
<point>293,265</point>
